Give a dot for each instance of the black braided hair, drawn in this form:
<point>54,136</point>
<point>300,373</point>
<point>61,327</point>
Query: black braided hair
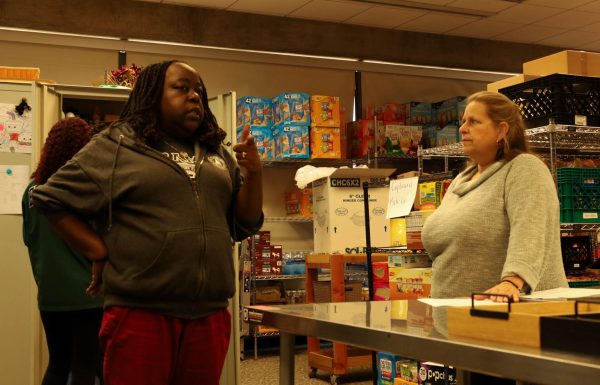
<point>142,110</point>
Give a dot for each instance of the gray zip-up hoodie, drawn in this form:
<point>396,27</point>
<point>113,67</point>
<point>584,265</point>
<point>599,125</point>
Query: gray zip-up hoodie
<point>169,237</point>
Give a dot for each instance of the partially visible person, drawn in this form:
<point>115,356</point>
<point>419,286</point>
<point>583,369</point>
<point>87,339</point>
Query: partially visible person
<point>172,200</point>
<point>71,318</point>
<point>497,229</point>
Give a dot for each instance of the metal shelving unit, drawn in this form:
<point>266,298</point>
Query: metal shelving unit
<point>288,219</point>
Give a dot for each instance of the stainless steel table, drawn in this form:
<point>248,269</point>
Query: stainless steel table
<point>419,331</point>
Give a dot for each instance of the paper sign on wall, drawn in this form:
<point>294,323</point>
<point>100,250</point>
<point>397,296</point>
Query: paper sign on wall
<point>402,196</point>
<point>15,130</point>
<point>13,181</point>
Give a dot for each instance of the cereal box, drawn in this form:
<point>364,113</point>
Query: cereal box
<point>325,142</point>
<point>324,111</point>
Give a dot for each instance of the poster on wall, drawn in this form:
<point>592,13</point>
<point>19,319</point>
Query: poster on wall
<point>13,181</point>
<point>15,129</point>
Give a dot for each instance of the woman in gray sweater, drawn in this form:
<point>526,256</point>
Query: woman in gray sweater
<point>497,229</point>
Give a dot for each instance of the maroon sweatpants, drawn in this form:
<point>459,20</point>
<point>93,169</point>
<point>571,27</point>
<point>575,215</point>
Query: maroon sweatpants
<point>146,348</point>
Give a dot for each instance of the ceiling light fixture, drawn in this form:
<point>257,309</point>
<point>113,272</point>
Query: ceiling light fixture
<point>438,68</point>
<point>429,7</point>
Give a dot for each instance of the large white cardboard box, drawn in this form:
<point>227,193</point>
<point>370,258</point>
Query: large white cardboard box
<point>339,212</point>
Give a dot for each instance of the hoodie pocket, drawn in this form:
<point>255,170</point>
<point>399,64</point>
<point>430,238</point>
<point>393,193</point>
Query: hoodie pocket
<point>175,271</point>
<point>219,276</point>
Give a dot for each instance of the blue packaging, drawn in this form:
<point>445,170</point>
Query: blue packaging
<point>291,141</point>
<point>292,108</point>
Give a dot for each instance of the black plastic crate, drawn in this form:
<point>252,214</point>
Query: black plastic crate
<point>557,96</point>
<point>576,253</point>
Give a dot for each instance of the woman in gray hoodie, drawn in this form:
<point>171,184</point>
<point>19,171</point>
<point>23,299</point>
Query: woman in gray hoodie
<point>168,199</point>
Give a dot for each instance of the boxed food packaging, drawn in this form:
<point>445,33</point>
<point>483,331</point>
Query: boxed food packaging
<point>291,141</point>
<point>381,291</point>
<point>268,267</point>
<point>325,142</point>
<point>391,367</point>
<point>402,381</point>
<point>292,109</point>
<point>419,114</point>
<point>410,138</point>
<point>362,137</point>
<point>339,219</point>
<point>432,373</point>
<point>510,81</point>
<point>413,240</point>
<point>262,252</point>
<point>416,219</point>
<point>324,111</point>
<point>409,260</point>
<point>565,62</point>
<point>410,283</point>
<point>19,73</point>
<point>380,272</point>
<point>398,232</point>
<point>263,137</point>
<point>253,111</point>
<point>395,112</point>
<point>263,237</point>
<point>298,202</point>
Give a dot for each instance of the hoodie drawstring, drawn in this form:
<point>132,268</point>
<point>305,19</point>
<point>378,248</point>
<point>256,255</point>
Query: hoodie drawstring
<point>110,183</point>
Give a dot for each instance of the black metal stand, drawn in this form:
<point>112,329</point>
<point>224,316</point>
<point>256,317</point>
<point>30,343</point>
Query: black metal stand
<point>369,266</point>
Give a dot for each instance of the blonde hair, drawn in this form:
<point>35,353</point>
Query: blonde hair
<point>501,109</point>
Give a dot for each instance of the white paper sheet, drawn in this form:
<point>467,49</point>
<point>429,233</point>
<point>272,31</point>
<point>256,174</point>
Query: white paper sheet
<point>13,181</point>
<point>401,196</point>
<point>562,293</point>
<point>438,302</point>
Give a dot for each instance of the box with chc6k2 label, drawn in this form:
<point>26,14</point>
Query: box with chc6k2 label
<point>339,212</point>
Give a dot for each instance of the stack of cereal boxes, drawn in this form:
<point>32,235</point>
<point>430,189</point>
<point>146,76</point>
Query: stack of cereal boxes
<point>255,114</point>
<point>291,122</point>
<point>325,135</point>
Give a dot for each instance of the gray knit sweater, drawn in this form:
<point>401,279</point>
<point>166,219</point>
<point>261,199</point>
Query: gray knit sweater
<point>504,223</point>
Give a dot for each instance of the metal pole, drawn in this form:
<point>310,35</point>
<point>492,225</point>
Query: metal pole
<point>369,268</point>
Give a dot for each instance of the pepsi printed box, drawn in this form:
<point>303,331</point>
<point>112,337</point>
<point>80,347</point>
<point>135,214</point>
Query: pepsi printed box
<point>432,373</point>
<point>292,108</point>
<point>291,141</point>
<point>253,112</point>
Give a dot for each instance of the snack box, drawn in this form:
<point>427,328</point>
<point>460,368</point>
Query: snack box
<point>410,283</point>
<point>263,137</point>
<point>292,109</point>
<point>325,142</point>
<point>291,141</point>
<point>432,373</point>
<point>324,111</point>
<point>253,111</point>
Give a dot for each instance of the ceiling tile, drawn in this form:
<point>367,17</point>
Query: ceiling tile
<point>564,4</point>
<point>436,22</point>
<point>570,39</point>
<point>593,6</point>
<point>267,7</point>
<point>591,28</point>
<point>525,14</point>
<point>529,34</point>
<point>593,46</point>
<point>385,17</point>
<point>570,20</point>
<point>483,29</point>
<point>482,5</point>
<point>330,10</point>
<point>221,4</point>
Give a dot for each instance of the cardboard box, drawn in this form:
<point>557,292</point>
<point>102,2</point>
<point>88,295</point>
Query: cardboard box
<point>263,137</point>
<point>291,108</point>
<point>268,267</point>
<point>380,272</point>
<point>362,137</point>
<point>253,111</point>
<point>339,219</point>
<point>381,291</point>
<point>410,283</point>
<point>391,367</point>
<point>565,62</point>
<point>20,73</point>
<point>298,202</point>
<point>409,261</point>
<point>398,232</point>
<point>510,81</point>
<point>263,237</point>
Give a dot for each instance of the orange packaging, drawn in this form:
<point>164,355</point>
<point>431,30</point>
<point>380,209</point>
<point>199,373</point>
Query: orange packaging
<point>324,111</point>
<point>298,202</point>
<point>410,283</point>
<point>325,142</point>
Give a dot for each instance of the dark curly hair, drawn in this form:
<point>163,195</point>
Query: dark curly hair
<point>142,110</point>
<point>64,140</point>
